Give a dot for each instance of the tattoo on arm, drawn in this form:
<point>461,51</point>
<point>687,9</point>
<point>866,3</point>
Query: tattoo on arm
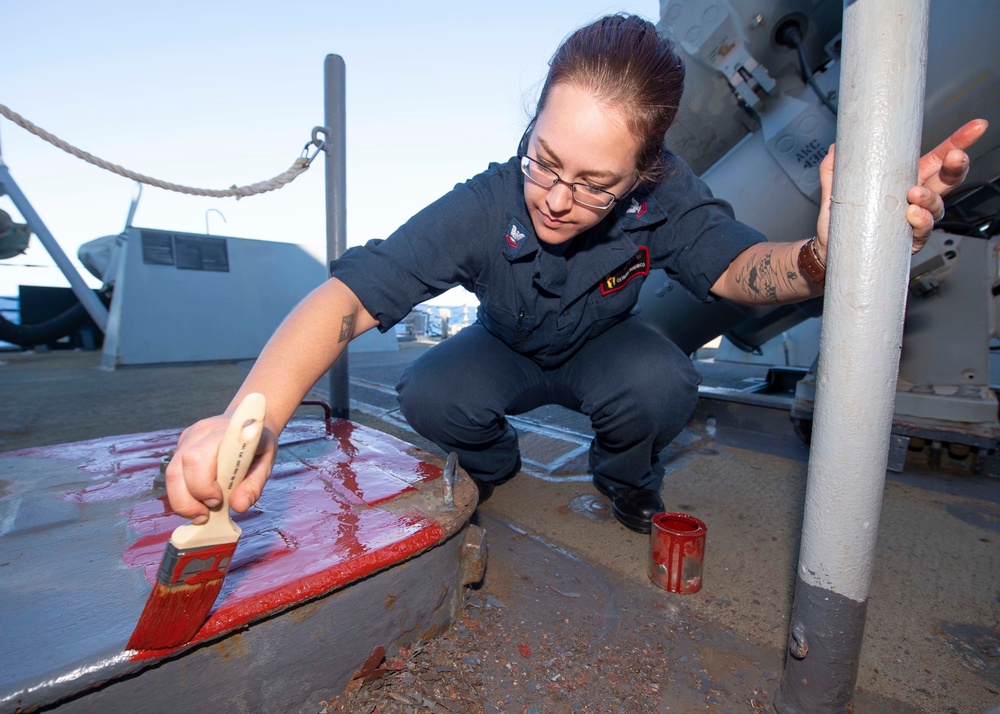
<point>346,328</point>
<point>765,280</point>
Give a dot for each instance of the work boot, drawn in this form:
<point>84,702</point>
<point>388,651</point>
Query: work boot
<point>633,507</point>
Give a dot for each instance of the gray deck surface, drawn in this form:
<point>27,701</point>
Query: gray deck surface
<point>932,641</point>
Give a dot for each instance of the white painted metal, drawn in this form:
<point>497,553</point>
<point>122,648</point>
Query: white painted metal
<point>878,143</point>
<point>162,313</point>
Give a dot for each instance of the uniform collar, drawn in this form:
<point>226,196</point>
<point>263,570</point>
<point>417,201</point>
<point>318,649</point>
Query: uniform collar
<point>640,209</point>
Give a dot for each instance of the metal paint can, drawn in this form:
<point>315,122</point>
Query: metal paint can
<point>676,552</point>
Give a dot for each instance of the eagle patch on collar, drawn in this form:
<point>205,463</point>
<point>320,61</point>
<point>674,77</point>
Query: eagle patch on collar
<point>620,277</point>
<point>514,238</point>
<point>637,207</point>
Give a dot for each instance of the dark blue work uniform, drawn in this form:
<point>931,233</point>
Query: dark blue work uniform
<point>554,323</point>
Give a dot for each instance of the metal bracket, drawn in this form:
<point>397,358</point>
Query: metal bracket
<point>319,139</point>
<point>448,479</point>
<point>711,32</point>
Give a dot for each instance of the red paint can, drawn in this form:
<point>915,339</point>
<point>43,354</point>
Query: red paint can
<point>676,552</point>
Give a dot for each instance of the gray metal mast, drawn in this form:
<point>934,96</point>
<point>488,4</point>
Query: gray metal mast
<point>878,142</point>
<point>334,73</point>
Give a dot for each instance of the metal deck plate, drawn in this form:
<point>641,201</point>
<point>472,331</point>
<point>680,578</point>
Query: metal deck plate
<point>82,531</point>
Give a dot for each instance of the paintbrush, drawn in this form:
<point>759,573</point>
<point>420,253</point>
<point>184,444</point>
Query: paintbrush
<point>197,556</point>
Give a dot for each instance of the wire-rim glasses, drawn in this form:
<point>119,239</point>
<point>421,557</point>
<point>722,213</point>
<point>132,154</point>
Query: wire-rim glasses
<point>583,193</point>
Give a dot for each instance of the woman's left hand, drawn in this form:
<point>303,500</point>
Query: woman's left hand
<point>940,171</point>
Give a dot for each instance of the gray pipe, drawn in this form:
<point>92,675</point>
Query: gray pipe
<point>94,307</point>
<point>334,73</point>
<point>878,141</point>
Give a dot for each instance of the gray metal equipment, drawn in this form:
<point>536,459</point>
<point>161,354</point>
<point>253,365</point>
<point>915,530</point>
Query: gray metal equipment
<point>757,117</point>
<point>761,109</point>
<point>34,223</point>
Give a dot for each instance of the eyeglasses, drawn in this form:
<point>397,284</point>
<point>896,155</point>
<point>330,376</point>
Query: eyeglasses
<point>583,193</point>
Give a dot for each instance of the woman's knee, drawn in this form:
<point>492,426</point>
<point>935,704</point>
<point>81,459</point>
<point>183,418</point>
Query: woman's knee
<point>657,400</point>
<point>426,394</point>
<point>672,397</point>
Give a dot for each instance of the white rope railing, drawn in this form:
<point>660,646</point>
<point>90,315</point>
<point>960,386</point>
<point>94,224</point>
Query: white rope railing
<point>298,167</point>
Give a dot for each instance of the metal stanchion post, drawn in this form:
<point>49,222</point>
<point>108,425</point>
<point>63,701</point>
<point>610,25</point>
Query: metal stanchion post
<point>878,143</point>
<point>336,205</point>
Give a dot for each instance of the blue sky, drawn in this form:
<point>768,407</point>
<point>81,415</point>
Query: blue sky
<point>215,93</point>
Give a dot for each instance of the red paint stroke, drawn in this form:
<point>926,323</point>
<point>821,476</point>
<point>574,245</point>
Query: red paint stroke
<point>320,524</point>
<point>120,467</point>
<point>315,529</point>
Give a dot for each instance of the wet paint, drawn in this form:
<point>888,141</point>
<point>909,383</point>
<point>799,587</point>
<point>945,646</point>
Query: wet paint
<point>128,481</point>
<point>316,527</point>
<point>303,539</point>
<point>313,530</point>
<point>117,466</point>
<point>83,529</point>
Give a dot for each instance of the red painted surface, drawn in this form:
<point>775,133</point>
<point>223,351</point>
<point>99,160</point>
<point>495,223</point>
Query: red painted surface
<point>677,552</point>
<point>316,528</point>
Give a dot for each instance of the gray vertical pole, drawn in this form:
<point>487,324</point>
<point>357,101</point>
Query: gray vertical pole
<point>336,205</point>
<point>94,307</point>
<point>878,143</point>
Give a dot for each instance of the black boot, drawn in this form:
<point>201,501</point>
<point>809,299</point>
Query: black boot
<point>633,507</point>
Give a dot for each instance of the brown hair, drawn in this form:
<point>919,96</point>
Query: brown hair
<point>628,65</point>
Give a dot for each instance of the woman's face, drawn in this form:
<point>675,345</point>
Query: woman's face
<point>584,142</point>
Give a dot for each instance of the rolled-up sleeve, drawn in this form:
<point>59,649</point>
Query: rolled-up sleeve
<point>702,236</point>
<point>432,252</point>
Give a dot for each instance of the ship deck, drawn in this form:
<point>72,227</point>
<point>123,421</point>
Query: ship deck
<point>566,614</point>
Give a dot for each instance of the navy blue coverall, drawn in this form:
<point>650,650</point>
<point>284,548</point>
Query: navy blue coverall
<point>554,326</point>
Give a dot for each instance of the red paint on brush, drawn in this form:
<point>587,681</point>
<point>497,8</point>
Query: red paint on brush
<point>197,557</point>
<point>200,565</point>
<point>176,610</point>
<point>316,528</point>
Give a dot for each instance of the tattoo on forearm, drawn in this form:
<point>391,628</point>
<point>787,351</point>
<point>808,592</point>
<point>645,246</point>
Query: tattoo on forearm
<point>766,280</point>
<point>346,328</point>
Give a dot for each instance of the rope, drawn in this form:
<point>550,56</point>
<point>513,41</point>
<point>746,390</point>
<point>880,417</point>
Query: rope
<point>279,181</point>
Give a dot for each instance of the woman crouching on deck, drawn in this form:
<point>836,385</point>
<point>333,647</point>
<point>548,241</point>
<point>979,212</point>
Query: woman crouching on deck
<point>555,242</point>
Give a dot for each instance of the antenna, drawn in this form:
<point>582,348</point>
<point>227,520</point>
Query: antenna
<point>136,195</point>
<point>210,210</point>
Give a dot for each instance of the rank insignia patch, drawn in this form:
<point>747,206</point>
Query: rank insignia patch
<point>620,277</point>
<point>514,237</point>
<point>638,207</point>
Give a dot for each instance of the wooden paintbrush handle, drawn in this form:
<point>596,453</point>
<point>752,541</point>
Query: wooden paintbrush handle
<point>236,452</point>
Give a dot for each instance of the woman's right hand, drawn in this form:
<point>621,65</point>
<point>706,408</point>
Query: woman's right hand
<point>306,343</point>
<point>192,487</point>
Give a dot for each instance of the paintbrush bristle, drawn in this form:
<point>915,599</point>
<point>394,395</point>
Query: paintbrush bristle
<point>197,556</point>
<point>187,585</point>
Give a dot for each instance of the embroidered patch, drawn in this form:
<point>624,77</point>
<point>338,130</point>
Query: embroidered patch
<point>514,237</point>
<point>638,207</point>
<point>619,278</point>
